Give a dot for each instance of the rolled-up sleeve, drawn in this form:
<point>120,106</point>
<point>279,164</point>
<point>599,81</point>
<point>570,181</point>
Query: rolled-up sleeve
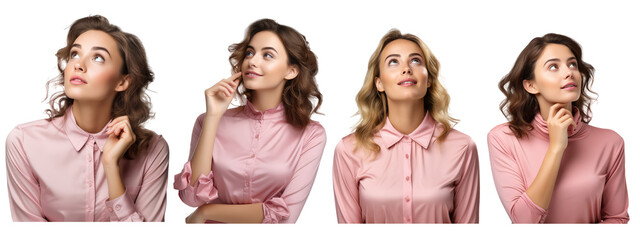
<point>510,183</point>
<point>24,190</point>
<point>467,192</point>
<point>345,186</point>
<point>615,199</point>
<point>287,208</point>
<point>203,191</point>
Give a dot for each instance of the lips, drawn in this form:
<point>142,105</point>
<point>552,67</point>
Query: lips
<point>570,86</point>
<point>252,74</point>
<point>77,80</point>
<point>408,82</point>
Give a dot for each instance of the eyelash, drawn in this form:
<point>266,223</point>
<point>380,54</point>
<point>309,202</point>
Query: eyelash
<point>392,61</point>
<point>571,65</point>
<point>74,54</point>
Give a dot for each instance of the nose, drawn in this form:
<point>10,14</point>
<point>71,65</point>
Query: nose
<point>568,73</point>
<point>407,70</point>
<point>251,61</point>
<point>79,66</point>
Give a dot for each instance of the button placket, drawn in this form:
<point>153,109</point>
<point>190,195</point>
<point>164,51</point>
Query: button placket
<point>407,204</point>
<point>91,150</point>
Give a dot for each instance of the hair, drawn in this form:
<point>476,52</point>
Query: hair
<point>298,92</point>
<point>372,104</point>
<point>133,102</point>
<point>520,107</point>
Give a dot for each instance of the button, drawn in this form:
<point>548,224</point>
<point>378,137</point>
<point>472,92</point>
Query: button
<point>110,209</point>
<point>407,199</point>
<point>406,156</point>
<point>91,137</point>
<point>88,159</point>
<point>253,155</point>
<point>257,135</point>
<point>407,178</point>
<point>118,207</point>
<point>408,220</point>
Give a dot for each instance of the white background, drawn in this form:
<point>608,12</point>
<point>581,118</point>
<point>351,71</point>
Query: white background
<point>476,43</point>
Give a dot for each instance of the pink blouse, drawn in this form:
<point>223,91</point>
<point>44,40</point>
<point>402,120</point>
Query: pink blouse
<point>257,158</point>
<point>55,173</point>
<point>413,179</point>
<point>590,187</point>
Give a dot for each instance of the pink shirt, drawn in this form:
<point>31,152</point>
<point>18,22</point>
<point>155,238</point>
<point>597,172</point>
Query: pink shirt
<point>257,158</point>
<point>590,187</point>
<point>413,179</point>
<point>55,173</point>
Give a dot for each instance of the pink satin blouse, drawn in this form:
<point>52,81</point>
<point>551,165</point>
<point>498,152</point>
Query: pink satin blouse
<point>413,179</point>
<point>590,187</point>
<point>55,173</point>
<point>257,158</point>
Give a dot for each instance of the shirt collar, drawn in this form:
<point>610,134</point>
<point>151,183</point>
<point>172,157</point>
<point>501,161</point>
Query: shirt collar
<point>540,125</point>
<point>421,135</point>
<point>77,136</point>
<point>272,113</point>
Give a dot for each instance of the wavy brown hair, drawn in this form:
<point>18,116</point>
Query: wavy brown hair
<point>133,102</point>
<point>520,106</point>
<point>298,92</point>
<point>372,104</point>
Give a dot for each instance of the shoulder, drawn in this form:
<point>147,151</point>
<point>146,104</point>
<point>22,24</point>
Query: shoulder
<point>605,135</point>
<point>158,147</point>
<point>500,130</point>
<point>459,138</point>
<point>34,127</point>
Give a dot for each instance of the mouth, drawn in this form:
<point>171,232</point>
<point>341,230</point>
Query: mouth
<point>408,82</point>
<point>76,80</point>
<point>570,86</point>
<point>251,74</point>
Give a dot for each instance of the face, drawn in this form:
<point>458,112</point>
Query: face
<point>557,78</point>
<point>403,71</point>
<point>93,71</point>
<point>266,65</point>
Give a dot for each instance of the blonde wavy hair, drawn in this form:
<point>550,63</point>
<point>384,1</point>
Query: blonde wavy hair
<point>372,104</point>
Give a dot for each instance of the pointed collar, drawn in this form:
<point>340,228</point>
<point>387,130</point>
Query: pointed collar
<point>540,125</point>
<point>272,113</point>
<point>76,135</point>
<point>421,135</point>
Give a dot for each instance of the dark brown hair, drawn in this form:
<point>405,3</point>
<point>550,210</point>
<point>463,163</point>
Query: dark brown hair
<point>520,106</point>
<point>297,93</point>
<point>133,102</point>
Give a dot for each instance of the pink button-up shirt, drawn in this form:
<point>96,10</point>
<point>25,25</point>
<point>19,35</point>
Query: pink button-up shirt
<point>590,187</point>
<point>257,158</point>
<point>413,179</point>
<point>55,173</point>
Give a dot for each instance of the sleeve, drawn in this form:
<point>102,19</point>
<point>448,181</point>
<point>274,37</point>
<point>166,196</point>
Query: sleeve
<point>23,186</point>
<point>511,185</point>
<point>615,200</point>
<point>203,191</point>
<point>467,192</point>
<point>287,208</point>
<point>345,186</point>
<point>151,201</point>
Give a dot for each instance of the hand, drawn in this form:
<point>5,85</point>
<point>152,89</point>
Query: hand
<point>219,96</point>
<point>121,137</point>
<point>195,217</point>
<point>558,122</point>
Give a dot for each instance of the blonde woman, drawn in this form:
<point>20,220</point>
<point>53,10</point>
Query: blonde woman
<point>405,163</point>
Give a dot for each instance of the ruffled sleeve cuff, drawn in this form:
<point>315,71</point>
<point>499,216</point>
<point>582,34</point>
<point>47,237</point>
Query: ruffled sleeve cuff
<point>536,214</point>
<point>200,193</point>
<point>122,209</point>
<point>275,210</point>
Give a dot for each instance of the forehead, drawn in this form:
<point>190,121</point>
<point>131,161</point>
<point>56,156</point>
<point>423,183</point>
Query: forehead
<point>401,46</point>
<point>96,38</point>
<point>554,50</point>
<point>267,39</point>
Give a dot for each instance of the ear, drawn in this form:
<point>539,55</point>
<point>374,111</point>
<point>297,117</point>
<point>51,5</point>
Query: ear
<point>124,83</point>
<point>530,86</point>
<point>293,72</point>
<point>379,84</point>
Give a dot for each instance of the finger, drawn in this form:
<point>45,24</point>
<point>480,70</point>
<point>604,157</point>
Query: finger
<point>235,76</point>
<point>228,86</point>
<point>117,120</point>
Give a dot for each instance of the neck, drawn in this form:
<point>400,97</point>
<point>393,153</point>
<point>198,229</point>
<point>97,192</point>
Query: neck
<point>406,116</point>
<point>545,106</point>
<point>91,116</point>
<point>263,100</point>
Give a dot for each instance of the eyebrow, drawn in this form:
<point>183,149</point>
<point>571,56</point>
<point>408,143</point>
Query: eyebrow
<point>398,55</point>
<point>93,48</point>
<point>264,48</point>
<point>557,59</point>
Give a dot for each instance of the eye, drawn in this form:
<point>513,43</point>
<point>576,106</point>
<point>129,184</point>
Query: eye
<point>98,58</point>
<point>268,55</point>
<point>393,62</point>
<point>573,65</point>
<point>553,67</point>
<point>74,55</point>
<point>249,53</point>
<point>416,60</point>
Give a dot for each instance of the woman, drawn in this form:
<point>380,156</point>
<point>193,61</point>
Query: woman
<point>548,164</point>
<point>405,163</point>
<point>91,160</point>
<point>257,162</point>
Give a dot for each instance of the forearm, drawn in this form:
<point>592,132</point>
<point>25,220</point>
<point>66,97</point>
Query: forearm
<point>202,156</point>
<point>541,189</point>
<point>232,213</point>
<point>114,181</point>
